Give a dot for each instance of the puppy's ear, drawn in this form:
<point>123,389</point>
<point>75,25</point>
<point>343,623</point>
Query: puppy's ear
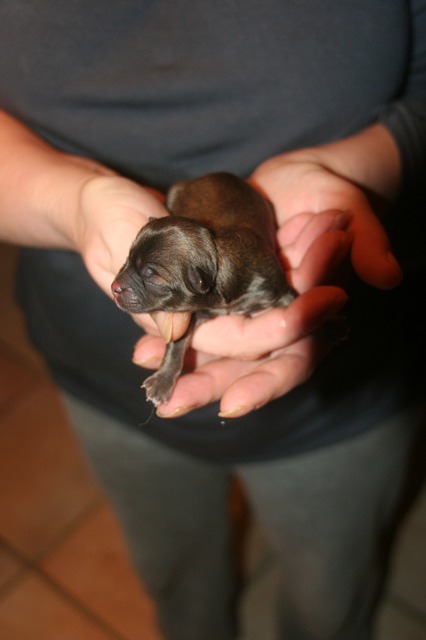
<point>199,280</point>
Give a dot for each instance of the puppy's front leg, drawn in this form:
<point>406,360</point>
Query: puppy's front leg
<point>159,387</point>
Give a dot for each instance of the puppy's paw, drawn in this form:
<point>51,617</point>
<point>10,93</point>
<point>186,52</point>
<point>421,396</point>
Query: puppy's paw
<point>159,388</point>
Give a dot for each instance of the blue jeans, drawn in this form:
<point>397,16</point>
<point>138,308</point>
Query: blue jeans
<point>323,514</point>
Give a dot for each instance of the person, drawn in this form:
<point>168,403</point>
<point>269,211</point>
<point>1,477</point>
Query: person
<point>323,107</point>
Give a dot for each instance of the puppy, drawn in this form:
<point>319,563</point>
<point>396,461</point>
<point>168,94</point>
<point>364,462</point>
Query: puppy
<point>215,254</point>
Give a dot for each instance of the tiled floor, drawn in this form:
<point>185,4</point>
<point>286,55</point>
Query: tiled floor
<point>64,573</point>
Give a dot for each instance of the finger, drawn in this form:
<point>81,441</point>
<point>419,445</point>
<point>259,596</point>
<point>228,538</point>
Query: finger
<point>172,326</point>
<point>271,379</point>
<point>372,258</point>
<point>145,321</point>
<point>324,262</point>
<point>250,338</point>
<point>204,385</point>
<point>294,247</point>
<point>149,352</point>
<point>242,386</point>
<point>291,228</point>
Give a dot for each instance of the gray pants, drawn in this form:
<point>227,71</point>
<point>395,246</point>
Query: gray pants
<point>323,514</point>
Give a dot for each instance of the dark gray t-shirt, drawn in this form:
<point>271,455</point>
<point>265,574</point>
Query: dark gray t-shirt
<point>163,91</point>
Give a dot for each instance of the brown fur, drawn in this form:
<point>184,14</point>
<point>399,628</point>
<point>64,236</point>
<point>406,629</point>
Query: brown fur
<point>215,254</point>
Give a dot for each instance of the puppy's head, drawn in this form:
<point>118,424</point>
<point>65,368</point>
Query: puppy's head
<point>171,266</point>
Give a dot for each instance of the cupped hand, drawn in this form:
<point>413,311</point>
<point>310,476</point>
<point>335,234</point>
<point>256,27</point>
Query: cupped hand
<point>265,356</point>
<point>325,225</point>
<point>298,183</point>
<point>246,362</point>
<point>112,212</point>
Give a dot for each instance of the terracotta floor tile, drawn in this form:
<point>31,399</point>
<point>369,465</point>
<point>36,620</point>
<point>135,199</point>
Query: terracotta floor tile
<point>15,378</point>
<point>13,332</point>
<point>34,610</point>
<point>92,564</point>
<point>44,484</point>
<point>10,566</point>
<point>45,488</point>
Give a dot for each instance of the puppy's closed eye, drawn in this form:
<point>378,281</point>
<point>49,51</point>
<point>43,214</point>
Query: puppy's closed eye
<point>153,280</point>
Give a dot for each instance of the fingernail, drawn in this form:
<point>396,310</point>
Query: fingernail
<point>176,413</point>
<point>394,262</point>
<point>341,221</point>
<point>167,328</point>
<point>392,278</point>
<point>236,412</point>
<point>338,302</point>
<point>342,248</point>
<point>180,323</point>
<point>148,363</point>
<point>334,307</point>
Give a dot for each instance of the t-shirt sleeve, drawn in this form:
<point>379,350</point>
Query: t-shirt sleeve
<point>406,118</point>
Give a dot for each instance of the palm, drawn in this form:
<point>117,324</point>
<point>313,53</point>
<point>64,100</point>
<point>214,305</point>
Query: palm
<point>246,362</point>
<point>301,190</point>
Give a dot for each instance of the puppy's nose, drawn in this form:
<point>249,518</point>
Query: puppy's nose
<point>117,288</point>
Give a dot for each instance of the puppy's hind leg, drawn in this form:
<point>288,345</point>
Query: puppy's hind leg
<point>159,387</point>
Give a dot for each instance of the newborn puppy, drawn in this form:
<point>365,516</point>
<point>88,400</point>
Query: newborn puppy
<point>215,254</point>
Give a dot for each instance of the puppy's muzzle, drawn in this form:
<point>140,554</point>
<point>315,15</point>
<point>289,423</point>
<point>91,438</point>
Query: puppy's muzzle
<point>125,296</point>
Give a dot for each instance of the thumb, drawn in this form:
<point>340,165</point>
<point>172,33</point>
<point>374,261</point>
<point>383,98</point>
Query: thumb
<point>371,254</point>
<point>172,326</point>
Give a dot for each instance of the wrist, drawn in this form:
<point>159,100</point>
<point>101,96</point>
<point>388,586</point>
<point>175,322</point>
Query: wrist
<point>370,159</point>
<point>39,187</point>
<point>58,196</point>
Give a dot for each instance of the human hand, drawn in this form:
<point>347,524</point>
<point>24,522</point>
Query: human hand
<point>267,356</point>
<point>114,209</point>
<point>248,362</point>
<point>49,187</point>
<point>300,187</point>
<point>112,212</point>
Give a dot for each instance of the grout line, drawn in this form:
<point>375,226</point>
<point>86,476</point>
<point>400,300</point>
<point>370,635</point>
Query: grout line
<point>33,566</point>
<point>65,595</point>
<point>24,361</point>
<point>33,563</point>
<point>68,530</point>
<point>80,606</point>
<point>13,581</point>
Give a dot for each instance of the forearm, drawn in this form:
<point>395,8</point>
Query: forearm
<point>39,188</point>
<point>370,159</point>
